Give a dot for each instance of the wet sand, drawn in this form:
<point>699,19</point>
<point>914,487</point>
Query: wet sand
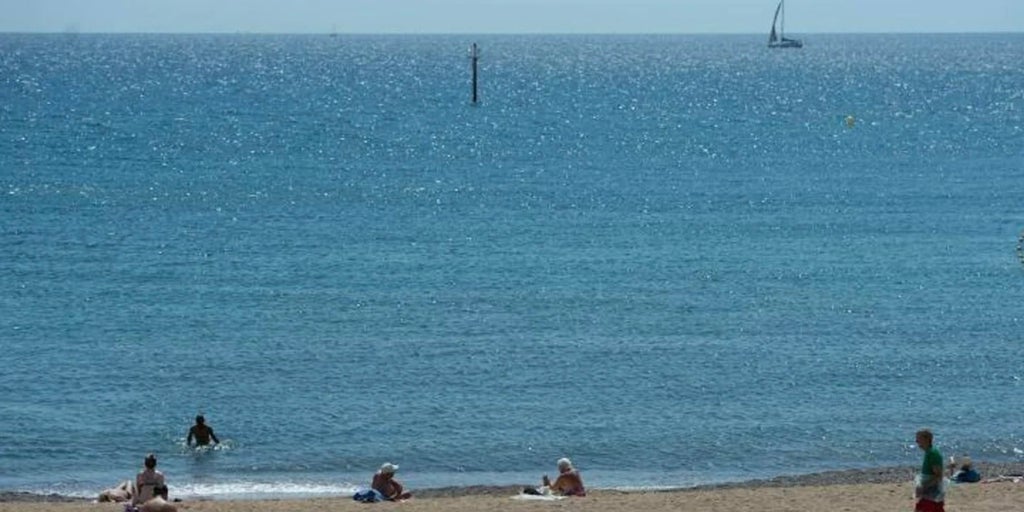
<point>858,490</point>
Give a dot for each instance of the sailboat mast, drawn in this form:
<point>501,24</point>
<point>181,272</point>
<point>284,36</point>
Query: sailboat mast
<point>474,55</point>
<point>782,24</point>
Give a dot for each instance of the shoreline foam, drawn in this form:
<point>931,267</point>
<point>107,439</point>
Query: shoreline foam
<point>880,475</point>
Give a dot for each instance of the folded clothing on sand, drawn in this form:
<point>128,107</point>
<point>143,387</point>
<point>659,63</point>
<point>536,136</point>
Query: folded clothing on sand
<point>368,496</point>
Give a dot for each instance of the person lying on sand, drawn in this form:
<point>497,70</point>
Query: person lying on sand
<point>119,494</point>
<point>385,483</point>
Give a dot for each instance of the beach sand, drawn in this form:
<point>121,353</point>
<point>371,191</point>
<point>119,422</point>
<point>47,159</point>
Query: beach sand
<point>991,497</point>
<point>861,490</point>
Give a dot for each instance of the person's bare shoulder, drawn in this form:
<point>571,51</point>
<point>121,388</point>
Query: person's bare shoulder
<point>158,504</point>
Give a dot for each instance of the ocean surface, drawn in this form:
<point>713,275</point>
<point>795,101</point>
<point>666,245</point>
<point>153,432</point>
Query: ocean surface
<point>676,260</point>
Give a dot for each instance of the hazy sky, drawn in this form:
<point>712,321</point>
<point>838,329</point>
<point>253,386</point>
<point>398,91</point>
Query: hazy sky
<point>508,16</point>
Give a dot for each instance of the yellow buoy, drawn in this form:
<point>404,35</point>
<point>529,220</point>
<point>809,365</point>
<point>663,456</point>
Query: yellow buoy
<point>850,120</point>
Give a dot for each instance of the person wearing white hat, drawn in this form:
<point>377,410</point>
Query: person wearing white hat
<point>385,483</point>
<point>569,481</point>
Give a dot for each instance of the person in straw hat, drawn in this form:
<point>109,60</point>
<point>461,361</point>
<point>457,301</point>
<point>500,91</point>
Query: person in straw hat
<point>966,474</point>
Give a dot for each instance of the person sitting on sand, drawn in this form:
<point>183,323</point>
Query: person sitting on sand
<point>966,474</point>
<point>569,481</point>
<point>121,493</point>
<point>148,482</point>
<point>201,432</point>
<point>385,483</point>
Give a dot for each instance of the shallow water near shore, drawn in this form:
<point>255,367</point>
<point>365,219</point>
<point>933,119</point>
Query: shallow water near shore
<point>668,258</point>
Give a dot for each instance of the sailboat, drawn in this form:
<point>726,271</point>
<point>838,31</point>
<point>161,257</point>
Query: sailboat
<point>778,39</point>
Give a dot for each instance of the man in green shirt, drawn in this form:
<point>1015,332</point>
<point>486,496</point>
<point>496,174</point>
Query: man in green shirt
<point>929,490</point>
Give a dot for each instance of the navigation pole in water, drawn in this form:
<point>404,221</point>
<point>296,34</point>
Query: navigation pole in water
<point>474,55</point>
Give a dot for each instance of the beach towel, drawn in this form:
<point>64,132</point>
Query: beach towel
<point>542,493</point>
<point>537,497</point>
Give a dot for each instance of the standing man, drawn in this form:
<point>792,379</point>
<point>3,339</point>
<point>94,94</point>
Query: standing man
<point>929,491</point>
<point>201,432</point>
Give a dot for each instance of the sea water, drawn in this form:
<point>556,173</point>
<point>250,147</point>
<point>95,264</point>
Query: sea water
<point>674,259</point>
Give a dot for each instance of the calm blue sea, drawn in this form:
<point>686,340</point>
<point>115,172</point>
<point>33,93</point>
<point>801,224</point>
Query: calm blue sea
<point>669,258</point>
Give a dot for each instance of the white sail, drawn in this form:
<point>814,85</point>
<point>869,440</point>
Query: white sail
<point>773,37</point>
<point>777,38</point>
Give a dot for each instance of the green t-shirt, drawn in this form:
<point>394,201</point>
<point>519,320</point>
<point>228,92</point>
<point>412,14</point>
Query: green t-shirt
<point>931,484</point>
<point>932,458</point>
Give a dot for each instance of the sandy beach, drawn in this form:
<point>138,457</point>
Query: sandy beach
<point>879,489</point>
<point>992,497</point>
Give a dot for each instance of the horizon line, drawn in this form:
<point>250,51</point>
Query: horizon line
<point>481,34</point>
